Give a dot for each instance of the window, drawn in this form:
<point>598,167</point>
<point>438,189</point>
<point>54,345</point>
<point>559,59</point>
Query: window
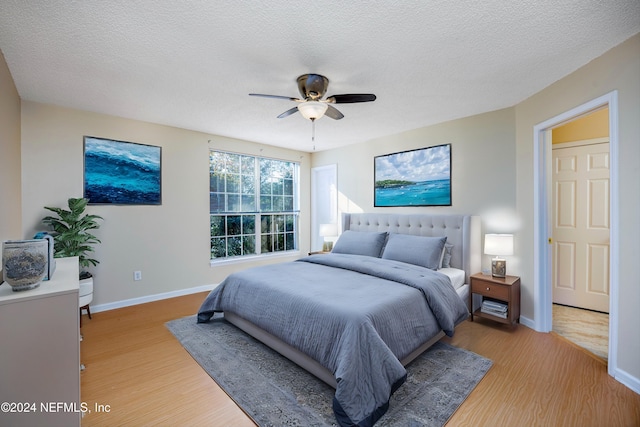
<point>253,205</point>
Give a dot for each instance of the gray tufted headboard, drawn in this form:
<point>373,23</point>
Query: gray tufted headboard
<point>463,231</point>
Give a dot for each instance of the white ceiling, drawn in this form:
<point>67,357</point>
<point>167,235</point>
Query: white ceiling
<point>193,64</point>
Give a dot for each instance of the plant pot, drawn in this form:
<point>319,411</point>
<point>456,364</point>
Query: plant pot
<point>24,263</point>
<point>86,292</point>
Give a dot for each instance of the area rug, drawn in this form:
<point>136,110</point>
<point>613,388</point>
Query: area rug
<point>274,391</point>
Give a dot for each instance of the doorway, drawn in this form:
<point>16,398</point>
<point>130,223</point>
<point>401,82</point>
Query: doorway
<point>324,202</point>
<point>543,265</point>
<point>580,232</point>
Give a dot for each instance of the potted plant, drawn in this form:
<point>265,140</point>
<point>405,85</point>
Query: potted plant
<point>71,233</point>
<point>72,238</point>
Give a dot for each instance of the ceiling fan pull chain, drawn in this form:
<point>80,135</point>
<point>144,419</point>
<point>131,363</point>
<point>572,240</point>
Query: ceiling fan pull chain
<point>313,133</point>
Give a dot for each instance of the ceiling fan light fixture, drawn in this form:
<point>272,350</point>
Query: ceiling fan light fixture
<point>312,110</point>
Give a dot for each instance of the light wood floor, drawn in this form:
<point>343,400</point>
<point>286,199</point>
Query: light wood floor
<point>585,328</point>
<point>143,377</point>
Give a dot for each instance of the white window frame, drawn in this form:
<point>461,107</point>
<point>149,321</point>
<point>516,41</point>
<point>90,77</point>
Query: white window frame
<point>258,215</point>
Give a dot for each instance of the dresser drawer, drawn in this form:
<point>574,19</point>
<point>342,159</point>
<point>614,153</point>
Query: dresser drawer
<point>490,290</point>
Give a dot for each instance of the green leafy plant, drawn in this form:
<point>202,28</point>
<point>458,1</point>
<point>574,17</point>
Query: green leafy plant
<point>71,233</point>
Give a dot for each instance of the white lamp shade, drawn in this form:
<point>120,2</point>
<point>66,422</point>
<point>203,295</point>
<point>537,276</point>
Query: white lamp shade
<point>498,244</point>
<point>328,230</point>
<point>312,110</point>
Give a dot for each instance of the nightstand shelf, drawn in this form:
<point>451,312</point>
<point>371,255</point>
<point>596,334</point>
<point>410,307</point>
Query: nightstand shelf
<point>501,289</point>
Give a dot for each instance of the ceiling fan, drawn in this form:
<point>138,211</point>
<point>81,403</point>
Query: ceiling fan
<point>312,87</point>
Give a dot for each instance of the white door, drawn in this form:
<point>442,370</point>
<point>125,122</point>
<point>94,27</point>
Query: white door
<point>581,225</point>
<point>324,201</point>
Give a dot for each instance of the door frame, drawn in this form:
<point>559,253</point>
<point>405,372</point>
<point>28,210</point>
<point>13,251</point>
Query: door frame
<point>542,262</point>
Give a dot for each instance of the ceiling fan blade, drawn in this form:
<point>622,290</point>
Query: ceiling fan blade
<point>288,112</point>
<point>351,98</point>
<point>333,113</point>
<point>275,96</point>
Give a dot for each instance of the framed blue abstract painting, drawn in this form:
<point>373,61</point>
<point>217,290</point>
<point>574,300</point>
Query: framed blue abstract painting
<point>121,173</point>
<point>419,177</point>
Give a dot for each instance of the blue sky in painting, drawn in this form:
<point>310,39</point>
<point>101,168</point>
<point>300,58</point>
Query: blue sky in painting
<point>418,165</point>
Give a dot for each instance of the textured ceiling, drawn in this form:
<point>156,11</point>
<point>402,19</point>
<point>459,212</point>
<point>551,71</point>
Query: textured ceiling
<point>193,64</point>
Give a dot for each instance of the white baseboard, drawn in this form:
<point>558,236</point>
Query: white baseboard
<point>628,380</point>
<point>527,322</point>
<point>150,298</point>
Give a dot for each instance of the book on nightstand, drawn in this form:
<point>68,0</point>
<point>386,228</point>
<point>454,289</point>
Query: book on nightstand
<point>494,308</point>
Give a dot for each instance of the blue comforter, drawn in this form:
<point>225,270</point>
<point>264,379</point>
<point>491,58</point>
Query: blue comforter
<point>355,315</point>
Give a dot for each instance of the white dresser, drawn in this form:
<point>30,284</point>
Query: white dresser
<point>40,351</point>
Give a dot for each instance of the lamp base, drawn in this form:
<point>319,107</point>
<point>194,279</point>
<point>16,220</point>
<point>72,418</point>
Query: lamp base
<point>498,267</point>
<point>327,246</point>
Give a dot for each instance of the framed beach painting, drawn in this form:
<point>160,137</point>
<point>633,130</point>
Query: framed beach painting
<point>121,173</point>
<point>419,177</point>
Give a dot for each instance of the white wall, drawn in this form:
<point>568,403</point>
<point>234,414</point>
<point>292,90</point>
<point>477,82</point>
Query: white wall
<point>168,243</point>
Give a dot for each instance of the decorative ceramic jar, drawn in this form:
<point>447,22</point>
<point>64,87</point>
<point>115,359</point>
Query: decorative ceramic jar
<point>24,263</point>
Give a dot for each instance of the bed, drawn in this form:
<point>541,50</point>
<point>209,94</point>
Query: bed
<point>393,285</point>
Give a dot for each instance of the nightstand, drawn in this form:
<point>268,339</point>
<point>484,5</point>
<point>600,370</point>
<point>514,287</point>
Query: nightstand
<point>501,289</point>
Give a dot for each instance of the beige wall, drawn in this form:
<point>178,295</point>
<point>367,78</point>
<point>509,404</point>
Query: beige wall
<point>168,243</point>
<point>594,125</point>
<point>493,174</point>
<point>10,176</point>
<point>618,70</point>
<point>483,160</point>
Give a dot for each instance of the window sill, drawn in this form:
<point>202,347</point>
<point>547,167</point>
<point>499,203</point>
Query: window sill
<point>252,258</point>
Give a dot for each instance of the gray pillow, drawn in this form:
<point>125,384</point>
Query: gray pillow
<point>417,250</point>
<point>368,243</point>
<point>445,258</point>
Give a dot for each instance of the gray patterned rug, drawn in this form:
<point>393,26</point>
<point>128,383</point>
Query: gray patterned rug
<point>274,391</point>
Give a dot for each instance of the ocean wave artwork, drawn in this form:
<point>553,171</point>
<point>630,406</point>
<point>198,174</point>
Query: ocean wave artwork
<point>118,172</point>
<point>414,178</point>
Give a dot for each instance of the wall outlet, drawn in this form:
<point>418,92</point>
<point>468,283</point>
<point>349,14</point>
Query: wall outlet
<point>137,275</point>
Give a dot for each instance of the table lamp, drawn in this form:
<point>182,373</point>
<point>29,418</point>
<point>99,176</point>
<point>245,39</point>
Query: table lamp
<point>498,245</point>
<point>328,230</point>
